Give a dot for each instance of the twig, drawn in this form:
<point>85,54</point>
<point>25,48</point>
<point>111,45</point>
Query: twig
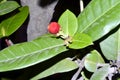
<point>8,42</point>
<point>81,5</point>
<point>118,59</point>
<point>81,65</point>
<point>110,76</point>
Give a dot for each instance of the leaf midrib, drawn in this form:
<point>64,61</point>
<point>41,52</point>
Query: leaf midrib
<point>35,52</point>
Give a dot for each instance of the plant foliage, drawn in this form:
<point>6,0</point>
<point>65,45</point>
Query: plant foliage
<point>98,23</point>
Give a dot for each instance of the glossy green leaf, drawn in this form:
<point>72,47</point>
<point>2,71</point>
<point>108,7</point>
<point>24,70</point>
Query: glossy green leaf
<point>69,23</point>
<point>29,53</point>
<point>101,73</point>
<point>111,46</point>
<point>80,40</point>
<point>92,60</point>
<point>10,25</point>
<point>1,1</point>
<point>8,6</point>
<point>99,17</point>
<point>64,65</point>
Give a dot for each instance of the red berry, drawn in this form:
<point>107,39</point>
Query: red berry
<point>53,27</point>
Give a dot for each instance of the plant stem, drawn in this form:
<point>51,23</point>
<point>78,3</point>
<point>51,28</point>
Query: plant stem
<point>81,65</point>
<point>8,42</point>
<point>81,5</point>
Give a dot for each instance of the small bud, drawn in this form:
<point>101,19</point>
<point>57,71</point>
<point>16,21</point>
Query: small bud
<point>54,28</point>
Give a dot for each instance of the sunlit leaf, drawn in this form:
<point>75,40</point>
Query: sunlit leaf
<point>69,23</point>
<point>29,53</point>
<point>80,40</point>
<point>111,46</point>
<point>99,17</point>
<point>92,60</point>
<point>10,25</point>
<point>63,66</point>
<point>8,6</point>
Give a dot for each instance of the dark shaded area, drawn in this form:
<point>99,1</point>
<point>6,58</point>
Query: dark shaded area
<point>44,3</point>
<point>86,2</point>
<point>62,5</point>
<point>72,5</point>
<point>116,77</point>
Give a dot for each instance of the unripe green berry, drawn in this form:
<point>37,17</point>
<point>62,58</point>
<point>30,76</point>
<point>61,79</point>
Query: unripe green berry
<point>54,28</point>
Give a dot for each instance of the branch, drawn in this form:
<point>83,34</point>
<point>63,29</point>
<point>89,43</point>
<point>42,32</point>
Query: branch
<point>81,66</point>
<point>8,42</point>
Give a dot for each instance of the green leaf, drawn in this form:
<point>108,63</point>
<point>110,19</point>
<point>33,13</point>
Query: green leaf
<point>1,1</point>
<point>99,17</point>
<point>30,53</point>
<point>80,40</point>
<point>8,6</point>
<point>92,60</point>
<point>101,73</point>
<point>111,46</point>
<point>118,79</point>
<point>10,25</point>
<point>69,23</point>
<point>64,65</point>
